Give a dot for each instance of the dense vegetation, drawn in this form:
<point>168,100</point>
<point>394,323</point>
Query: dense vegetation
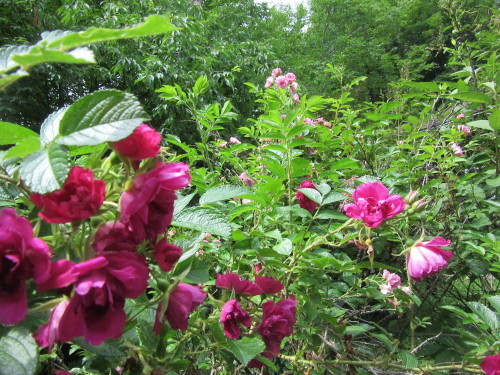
<point>337,219</point>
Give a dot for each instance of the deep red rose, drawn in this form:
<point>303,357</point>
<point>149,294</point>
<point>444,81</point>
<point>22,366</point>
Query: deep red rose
<point>167,254</point>
<point>491,364</point>
<point>143,143</point>
<point>232,281</point>
<point>148,206</point>
<point>231,316</point>
<point>268,284</point>
<point>305,202</point>
<point>182,301</point>
<point>22,257</point>
<point>79,198</point>
<point>114,236</point>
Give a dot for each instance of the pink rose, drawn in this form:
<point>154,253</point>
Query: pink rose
<point>148,206</point>
<point>276,72</point>
<point>232,281</point>
<point>167,254</point>
<point>234,140</point>
<point>290,78</point>
<point>393,279</point>
<point>296,98</point>
<point>461,115</point>
<point>457,150</point>
<point>373,204</point>
<point>114,236</point>
<point>309,121</point>
<point>426,258</point>
<point>269,82</point>
<point>305,202</point>
<point>463,128</point>
<point>491,364</point>
<point>182,301</point>
<point>281,82</point>
<point>268,284</point>
<point>143,143</point>
<point>231,316</point>
<point>246,180</point>
<point>22,257</point>
<point>79,198</point>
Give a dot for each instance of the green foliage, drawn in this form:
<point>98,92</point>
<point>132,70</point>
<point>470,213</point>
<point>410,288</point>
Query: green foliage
<point>18,352</point>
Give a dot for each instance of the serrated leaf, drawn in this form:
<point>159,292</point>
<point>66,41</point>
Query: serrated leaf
<point>408,359</point>
<point>11,133</point>
<point>284,247</point>
<point>182,202</point>
<point>46,170</point>
<point>312,194</point>
<point>204,219</point>
<point>246,348</point>
<point>223,192</point>
<point>50,127</point>
<point>300,167</point>
<point>24,148</point>
<point>38,55</point>
<point>485,314</point>
<point>18,353</point>
<point>482,124</point>
<point>334,196</point>
<point>472,96</point>
<point>103,116</point>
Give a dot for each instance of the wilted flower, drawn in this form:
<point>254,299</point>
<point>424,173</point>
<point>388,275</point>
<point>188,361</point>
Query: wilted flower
<point>491,364</point>
<point>296,98</point>
<point>114,236</point>
<point>305,202</point>
<point>232,281</point>
<point>268,284</point>
<point>373,204</point>
<point>426,258</point>
<point>143,143</point>
<point>463,128</point>
<point>457,150</point>
<point>79,198</point>
<point>231,316</point>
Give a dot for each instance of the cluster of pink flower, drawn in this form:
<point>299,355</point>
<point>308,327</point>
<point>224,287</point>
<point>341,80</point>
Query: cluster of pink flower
<point>232,140</point>
<point>393,282</point>
<point>278,318</point>
<point>247,181</point>
<point>284,81</point>
<point>319,120</point>
<point>457,150</point>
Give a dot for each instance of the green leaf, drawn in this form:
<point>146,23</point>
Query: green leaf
<point>408,359</point>
<point>6,53</point>
<point>6,80</point>
<point>423,86</point>
<point>151,26</point>
<point>18,353</point>
<point>223,192</point>
<point>472,96</point>
<point>495,302</point>
<point>334,196</point>
<point>24,148</point>
<point>204,219</point>
<point>38,55</point>
<point>494,120</point>
<point>300,167</point>
<point>284,247</point>
<point>46,170</point>
<point>201,85</point>
<point>312,194</point>
<point>483,124</point>
<point>11,133</point>
<point>246,348</point>
<point>50,127</point>
<point>182,202</point>
<point>485,314</point>
<point>103,116</point>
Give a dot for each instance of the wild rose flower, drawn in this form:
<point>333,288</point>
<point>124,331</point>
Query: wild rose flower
<point>166,254</point>
<point>232,281</point>
<point>148,206</point>
<point>79,198</point>
<point>426,258</point>
<point>463,128</point>
<point>231,316</point>
<point>22,257</point>
<point>326,124</point>
<point>246,180</point>
<point>281,82</point>
<point>293,87</point>
<point>143,143</point>
<point>276,72</point>
<point>305,202</point>
<point>114,236</point>
<point>319,120</point>
<point>457,150</point>
<point>296,98</point>
<point>491,364</point>
<point>290,78</point>
<point>461,115</point>
<point>182,301</point>
<point>373,204</point>
<point>269,82</point>
<point>234,140</point>
<point>309,121</point>
<point>393,279</point>
<point>268,284</point>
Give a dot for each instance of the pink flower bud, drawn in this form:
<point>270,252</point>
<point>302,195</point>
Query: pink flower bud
<point>463,128</point>
<point>461,115</point>
<point>234,140</point>
<point>457,150</point>
<point>269,82</point>
<point>296,98</point>
<point>276,72</point>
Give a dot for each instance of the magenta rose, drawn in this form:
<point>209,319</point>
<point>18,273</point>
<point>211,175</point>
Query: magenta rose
<point>114,236</point>
<point>182,301</point>
<point>426,258</point>
<point>22,257</point>
<point>491,364</point>
<point>268,284</point>
<point>167,254</point>
<point>148,206</point>
<point>231,316</point>
<point>143,143</point>
<point>96,307</point>
<point>79,198</point>
<point>232,281</point>
<point>305,202</point>
<point>373,204</point>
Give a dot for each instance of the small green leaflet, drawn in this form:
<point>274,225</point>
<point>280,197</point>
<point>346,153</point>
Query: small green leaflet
<point>246,348</point>
<point>223,192</point>
<point>18,353</point>
<point>204,219</point>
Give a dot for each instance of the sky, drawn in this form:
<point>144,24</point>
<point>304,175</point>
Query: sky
<point>282,2</point>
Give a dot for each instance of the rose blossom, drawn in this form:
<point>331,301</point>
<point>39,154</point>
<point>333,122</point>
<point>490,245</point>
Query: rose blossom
<point>281,82</point>
<point>182,301</point>
<point>373,204</point>
<point>275,72</point>
<point>113,236</point>
<point>79,198</point>
<point>148,206</point>
<point>296,98</point>
<point>305,202</point>
<point>393,279</point>
<point>232,281</point>
<point>290,77</point>
<point>457,150</point>
<point>463,128</point>
<point>426,258</point>
<point>461,115</point>
<point>234,140</point>
<point>246,180</point>
<point>231,316</point>
<point>309,121</point>
<point>491,364</point>
<point>167,254</point>
<point>22,257</point>
<point>269,82</point>
<point>143,143</point>
<point>268,284</point>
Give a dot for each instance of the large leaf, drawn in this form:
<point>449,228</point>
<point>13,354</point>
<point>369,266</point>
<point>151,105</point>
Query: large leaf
<point>24,148</point>
<point>223,192</point>
<point>472,96</point>
<point>11,133</point>
<point>482,124</point>
<point>485,314</point>
<point>50,127</point>
<point>103,116</point>
<point>246,348</point>
<point>408,359</point>
<point>494,120</point>
<point>46,170</point>
<point>312,194</point>
<point>204,219</point>
<point>18,353</point>
<point>38,55</point>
